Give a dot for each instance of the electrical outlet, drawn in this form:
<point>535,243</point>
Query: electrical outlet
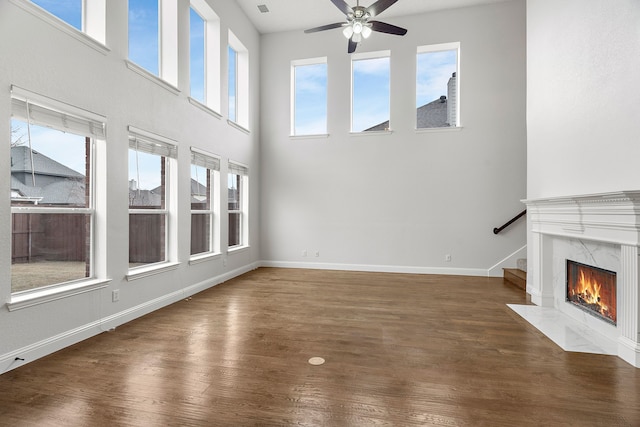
<point>115,295</point>
<point>304,253</point>
<point>224,262</point>
<point>447,258</point>
<point>317,254</point>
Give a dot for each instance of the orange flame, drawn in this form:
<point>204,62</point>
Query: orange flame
<point>589,291</point>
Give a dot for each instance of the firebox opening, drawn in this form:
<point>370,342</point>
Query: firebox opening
<point>592,289</point>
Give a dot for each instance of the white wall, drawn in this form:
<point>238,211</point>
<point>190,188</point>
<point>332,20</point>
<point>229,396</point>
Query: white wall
<point>583,93</point>
<point>400,202</point>
<point>40,58</point>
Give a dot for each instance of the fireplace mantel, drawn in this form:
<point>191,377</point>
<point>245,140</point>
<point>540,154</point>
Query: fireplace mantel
<point>607,226</point>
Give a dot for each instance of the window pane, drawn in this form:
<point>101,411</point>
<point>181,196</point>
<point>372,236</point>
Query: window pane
<point>436,98</point>
<point>144,34</point>
<point>58,177</point>
<point>200,233</point>
<point>234,229</point>
<point>200,188</point>
<point>146,239</point>
<point>49,249</point>
<point>310,99</point>
<point>69,11</point>
<point>233,74</point>
<point>146,180</point>
<point>196,66</point>
<point>370,95</point>
<point>234,192</point>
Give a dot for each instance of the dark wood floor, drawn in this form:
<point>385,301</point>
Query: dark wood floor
<point>400,350</point>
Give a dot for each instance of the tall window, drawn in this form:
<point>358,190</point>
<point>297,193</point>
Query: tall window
<point>437,94</point>
<point>196,55</point>
<point>204,54</point>
<point>233,83</point>
<point>238,189</point>
<point>204,202</point>
<point>309,96</point>
<point>150,164</point>
<point>238,81</point>
<point>370,95</point>
<point>87,16</point>
<point>153,37</point>
<point>52,192</point>
<point>144,34</point>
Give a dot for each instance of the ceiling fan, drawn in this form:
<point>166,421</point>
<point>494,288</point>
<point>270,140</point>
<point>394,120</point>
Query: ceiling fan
<point>358,25</point>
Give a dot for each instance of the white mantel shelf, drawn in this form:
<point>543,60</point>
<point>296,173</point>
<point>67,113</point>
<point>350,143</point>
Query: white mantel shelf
<point>603,228</point>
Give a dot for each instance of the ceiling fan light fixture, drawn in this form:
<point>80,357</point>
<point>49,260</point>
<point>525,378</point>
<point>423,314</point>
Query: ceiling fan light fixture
<point>366,31</point>
<point>348,31</point>
<point>356,38</point>
<point>357,27</point>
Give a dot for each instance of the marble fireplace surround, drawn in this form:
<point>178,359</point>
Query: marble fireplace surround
<point>602,230</point>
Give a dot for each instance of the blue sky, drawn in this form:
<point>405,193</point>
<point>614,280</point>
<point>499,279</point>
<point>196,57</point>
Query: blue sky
<point>197,66</point>
<point>370,93</point>
<point>143,34</point>
<point>233,60</point>
<point>69,11</point>
<point>145,169</point>
<point>65,148</point>
<point>433,72</point>
<point>311,99</point>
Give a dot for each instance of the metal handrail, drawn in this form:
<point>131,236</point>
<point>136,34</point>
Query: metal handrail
<point>511,221</point>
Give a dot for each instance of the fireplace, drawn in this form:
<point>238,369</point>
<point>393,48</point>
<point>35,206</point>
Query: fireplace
<point>592,289</point>
<point>601,230</point>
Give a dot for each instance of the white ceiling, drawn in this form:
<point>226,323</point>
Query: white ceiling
<point>286,15</point>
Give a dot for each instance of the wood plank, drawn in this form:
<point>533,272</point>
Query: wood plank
<point>404,350</point>
<point>516,277</point>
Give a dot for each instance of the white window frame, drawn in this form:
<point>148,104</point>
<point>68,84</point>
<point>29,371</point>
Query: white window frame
<point>210,162</point>
<point>441,47</point>
<point>363,57</point>
<point>236,168</point>
<point>94,22</point>
<point>242,82</point>
<point>294,65</point>
<point>148,142</point>
<point>211,54</point>
<point>37,109</point>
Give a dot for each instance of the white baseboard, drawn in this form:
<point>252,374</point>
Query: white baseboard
<point>52,344</point>
<point>377,268</point>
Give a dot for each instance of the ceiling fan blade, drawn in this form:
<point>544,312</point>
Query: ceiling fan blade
<point>352,46</point>
<point>379,7</point>
<point>343,6</point>
<point>325,27</point>
<point>383,27</point>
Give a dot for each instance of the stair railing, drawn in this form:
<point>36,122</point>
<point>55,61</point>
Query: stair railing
<point>511,221</point>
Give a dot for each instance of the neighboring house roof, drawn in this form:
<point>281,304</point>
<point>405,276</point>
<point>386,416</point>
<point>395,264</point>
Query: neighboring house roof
<point>55,183</point>
<point>431,115</point>
<point>43,165</point>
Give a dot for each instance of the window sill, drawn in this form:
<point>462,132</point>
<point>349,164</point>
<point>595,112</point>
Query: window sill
<point>197,259</point>
<point>204,108</point>
<point>146,271</point>
<point>61,25</point>
<point>151,77</point>
<point>372,133</point>
<point>237,249</point>
<point>311,136</point>
<point>41,296</point>
<point>239,127</point>
<point>429,130</point>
